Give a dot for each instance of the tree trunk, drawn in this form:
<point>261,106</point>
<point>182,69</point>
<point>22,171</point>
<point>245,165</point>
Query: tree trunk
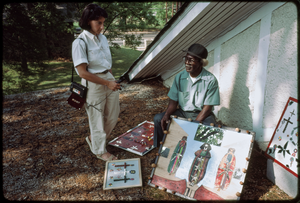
<point>48,43</point>
<point>166,12</point>
<point>24,65</point>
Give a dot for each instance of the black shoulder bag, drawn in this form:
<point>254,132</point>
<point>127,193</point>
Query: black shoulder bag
<point>78,96</point>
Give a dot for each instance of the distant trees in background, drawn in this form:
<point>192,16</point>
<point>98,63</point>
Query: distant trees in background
<point>164,11</point>
<point>124,17</point>
<point>32,33</point>
<point>38,31</point>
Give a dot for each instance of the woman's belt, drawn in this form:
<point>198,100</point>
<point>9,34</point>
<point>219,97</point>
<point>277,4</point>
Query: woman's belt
<point>104,72</point>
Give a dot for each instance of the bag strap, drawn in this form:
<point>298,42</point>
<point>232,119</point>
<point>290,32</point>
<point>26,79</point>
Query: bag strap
<point>86,47</point>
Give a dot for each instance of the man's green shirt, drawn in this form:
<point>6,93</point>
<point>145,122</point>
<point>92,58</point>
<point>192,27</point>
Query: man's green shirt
<point>193,96</point>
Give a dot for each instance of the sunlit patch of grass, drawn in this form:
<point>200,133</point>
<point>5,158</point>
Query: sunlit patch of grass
<point>122,60</point>
<point>119,61</point>
<point>59,74</point>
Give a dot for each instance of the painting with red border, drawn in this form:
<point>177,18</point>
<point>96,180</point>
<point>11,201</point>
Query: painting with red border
<point>202,161</point>
<point>283,146</point>
<point>138,140</point>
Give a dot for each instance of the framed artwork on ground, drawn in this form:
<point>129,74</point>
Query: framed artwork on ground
<point>203,162</point>
<point>123,173</point>
<point>138,140</point>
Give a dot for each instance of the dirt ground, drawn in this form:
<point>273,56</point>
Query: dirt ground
<point>45,155</point>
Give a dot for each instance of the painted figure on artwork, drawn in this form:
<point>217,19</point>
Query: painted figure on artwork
<point>198,167</point>
<point>177,155</point>
<point>225,170</point>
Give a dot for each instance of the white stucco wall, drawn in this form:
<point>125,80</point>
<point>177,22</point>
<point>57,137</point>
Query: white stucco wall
<point>237,78</point>
<point>281,81</point>
<point>210,58</point>
<point>256,66</point>
<point>169,81</point>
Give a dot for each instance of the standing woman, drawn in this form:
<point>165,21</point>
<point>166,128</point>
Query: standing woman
<point>92,62</point>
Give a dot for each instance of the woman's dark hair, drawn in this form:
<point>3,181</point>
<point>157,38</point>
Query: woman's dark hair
<point>91,12</point>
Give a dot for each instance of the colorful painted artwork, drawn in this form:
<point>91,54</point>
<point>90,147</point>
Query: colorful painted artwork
<point>122,174</point>
<point>198,167</point>
<point>207,171</point>
<point>177,155</point>
<point>283,145</point>
<point>225,170</point>
<point>138,140</point>
<point>210,135</point>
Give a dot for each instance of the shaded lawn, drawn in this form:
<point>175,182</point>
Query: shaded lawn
<point>58,74</point>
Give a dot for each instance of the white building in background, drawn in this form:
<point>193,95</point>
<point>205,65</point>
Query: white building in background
<point>252,51</point>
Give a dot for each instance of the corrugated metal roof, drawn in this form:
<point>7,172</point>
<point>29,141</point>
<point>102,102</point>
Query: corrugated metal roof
<point>196,22</point>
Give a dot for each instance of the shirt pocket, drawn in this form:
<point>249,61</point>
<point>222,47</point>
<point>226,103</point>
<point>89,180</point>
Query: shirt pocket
<point>106,52</point>
<point>183,98</point>
<point>199,99</point>
<point>93,55</point>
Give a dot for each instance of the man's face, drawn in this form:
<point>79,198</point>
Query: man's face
<point>192,65</point>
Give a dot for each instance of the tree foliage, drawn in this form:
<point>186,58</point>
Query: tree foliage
<point>160,10</point>
<point>34,32</point>
<point>20,38</point>
<point>124,17</point>
<point>30,34</point>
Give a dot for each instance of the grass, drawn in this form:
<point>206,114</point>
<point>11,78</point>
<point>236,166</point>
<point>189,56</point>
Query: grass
<point>58,74</point>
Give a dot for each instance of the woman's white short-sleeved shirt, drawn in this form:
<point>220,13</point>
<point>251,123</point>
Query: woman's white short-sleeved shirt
<point>99,56</point>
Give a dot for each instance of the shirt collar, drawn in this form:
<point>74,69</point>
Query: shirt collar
<point>90,35</point>
<point>204,75</point>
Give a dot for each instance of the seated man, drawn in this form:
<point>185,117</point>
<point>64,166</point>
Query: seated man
<point>195,90</point>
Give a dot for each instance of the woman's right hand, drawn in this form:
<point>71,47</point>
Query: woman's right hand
<point>113,85</point>
<point>83,73</point>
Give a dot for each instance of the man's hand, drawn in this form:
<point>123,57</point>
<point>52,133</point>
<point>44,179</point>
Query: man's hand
<point>206,110</point>
<point>172,106</point>
<point>164,121</point>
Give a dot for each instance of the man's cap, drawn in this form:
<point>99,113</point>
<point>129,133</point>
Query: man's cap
<point>197,50</point>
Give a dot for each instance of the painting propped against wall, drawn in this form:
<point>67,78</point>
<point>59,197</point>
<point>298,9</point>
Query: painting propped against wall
<point>204,162</point>
<point>138,140</point>
<point>283,146</point>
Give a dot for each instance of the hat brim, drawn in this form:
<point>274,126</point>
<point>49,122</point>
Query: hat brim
<point>191,53</point>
